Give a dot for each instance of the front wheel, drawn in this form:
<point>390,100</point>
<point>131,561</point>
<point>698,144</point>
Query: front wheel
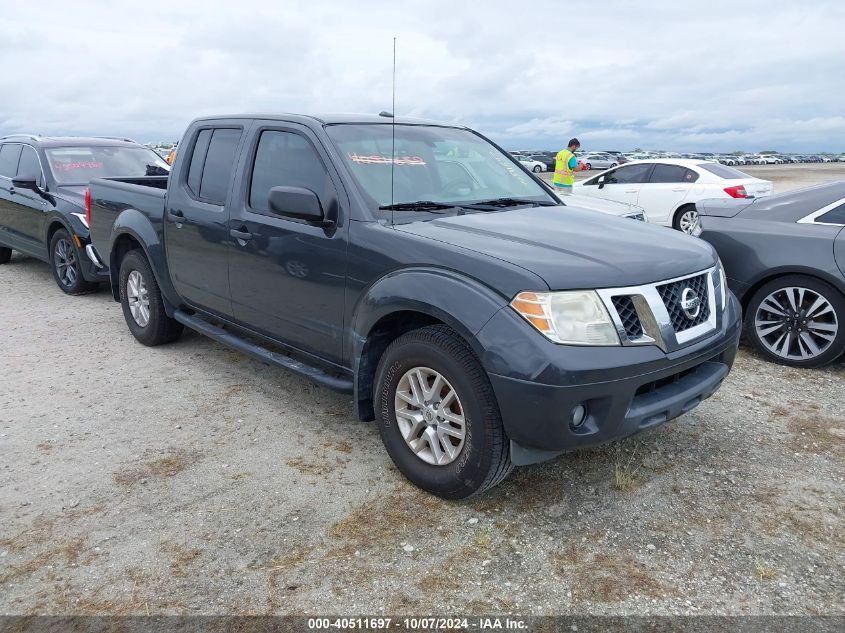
<point>588,166</point>
<point>612,165</point>
<point>143,306</point>
<point>438,416</point>
<point>537,169</point>
<point>797,321</point>
<point>66,263</point>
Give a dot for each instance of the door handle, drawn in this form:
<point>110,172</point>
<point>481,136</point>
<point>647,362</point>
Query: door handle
<point>242,236</point>
<point>176,213</point>
<point>680,190</point>
<point>630,191</point>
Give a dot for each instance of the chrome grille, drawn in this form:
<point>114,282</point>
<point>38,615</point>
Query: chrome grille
<point>673,296</point>
<point>628,315</point>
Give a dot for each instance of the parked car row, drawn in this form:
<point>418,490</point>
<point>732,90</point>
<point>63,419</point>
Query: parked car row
<point>432,276</point>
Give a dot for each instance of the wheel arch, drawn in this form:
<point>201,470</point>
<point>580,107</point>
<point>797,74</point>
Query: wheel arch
<point>399,303</point>
<point>772,275</point>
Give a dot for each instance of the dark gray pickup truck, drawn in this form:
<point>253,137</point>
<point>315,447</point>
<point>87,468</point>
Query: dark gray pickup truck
<point>421,268</point>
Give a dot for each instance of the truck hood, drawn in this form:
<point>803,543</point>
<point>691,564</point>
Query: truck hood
<point>570,248</point>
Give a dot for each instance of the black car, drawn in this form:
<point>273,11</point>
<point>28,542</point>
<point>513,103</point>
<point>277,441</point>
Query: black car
<point>43,184</point>
<point>784,256</point>
<point>483,324</point>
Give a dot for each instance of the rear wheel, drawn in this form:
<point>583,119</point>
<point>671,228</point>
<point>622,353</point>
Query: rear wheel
<point>797,321</point>
<point>66,263</point>
<point>612,165</point>
<point>588,166</point>
<point>686,219</point>
<point>143,306</point>
<point>438,417</point>
<point>5,255</point>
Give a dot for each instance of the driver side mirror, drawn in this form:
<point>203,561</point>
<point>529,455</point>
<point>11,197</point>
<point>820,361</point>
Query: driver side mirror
<point>26,182</point>
<point>601,181</point>
<point>296,202</point>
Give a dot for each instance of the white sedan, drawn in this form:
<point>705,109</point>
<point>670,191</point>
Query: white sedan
<point>532,165</point>
<point>669,188</point>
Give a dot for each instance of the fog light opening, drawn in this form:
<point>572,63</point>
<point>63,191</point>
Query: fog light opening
<point>579,416</point>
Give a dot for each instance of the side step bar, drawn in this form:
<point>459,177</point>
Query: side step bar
<point>335,383</point>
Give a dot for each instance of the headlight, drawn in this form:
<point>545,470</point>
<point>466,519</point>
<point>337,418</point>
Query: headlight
<point>573,317</point>
<point>723,285</point>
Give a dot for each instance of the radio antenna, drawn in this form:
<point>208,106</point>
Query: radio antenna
<point>393,133</point>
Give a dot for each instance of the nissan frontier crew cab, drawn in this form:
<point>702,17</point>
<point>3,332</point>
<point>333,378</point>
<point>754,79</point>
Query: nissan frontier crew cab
<point>422,269</point>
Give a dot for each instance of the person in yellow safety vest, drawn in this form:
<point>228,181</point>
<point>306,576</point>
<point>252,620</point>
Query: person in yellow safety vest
<point>566,163</point>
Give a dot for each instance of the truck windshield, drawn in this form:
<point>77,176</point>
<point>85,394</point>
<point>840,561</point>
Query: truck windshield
<point>78,165</point>
<point>441,166</point>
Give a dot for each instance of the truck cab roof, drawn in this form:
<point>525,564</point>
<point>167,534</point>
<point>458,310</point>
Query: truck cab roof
<point>332,118</point>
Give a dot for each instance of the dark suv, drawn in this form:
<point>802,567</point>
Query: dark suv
<point>43,184</point>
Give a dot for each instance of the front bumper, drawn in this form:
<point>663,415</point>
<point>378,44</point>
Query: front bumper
<point>624,389</point>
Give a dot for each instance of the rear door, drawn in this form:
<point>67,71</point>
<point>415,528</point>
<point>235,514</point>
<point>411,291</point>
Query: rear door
<point>621,184</point>
<point>288,276</point>
<point>667,187</point>
<point>196,216</point>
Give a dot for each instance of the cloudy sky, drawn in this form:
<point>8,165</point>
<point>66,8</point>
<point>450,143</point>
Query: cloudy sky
<point>683,75</point>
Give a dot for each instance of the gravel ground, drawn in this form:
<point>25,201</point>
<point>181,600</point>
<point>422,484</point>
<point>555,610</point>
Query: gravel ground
<point>192,479</point>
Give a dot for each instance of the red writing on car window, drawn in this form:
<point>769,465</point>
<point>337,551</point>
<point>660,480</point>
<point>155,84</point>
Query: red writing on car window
<point>380,159</point>
<point>79,165</point>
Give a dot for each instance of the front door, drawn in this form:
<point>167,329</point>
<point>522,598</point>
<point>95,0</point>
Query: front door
<point>196,218</point>
<point>621,184</point>
<point>29,206</point>
<point>287,276</point>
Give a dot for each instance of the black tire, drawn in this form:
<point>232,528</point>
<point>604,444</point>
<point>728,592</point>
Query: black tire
<point>676,220</point>
<point>484,459</point>
<point>66,262</point>
<point>834,298</point>
<point>160,328</point>
<point>612,165</point>
<point>5,255</point>
<point>589,166</point>
<point>537,169</point>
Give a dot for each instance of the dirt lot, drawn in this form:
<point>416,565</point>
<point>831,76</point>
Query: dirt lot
<point>191,479</point>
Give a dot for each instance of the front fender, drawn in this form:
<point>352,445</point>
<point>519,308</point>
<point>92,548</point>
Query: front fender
<point>137,225</point>
<point>462,303</point>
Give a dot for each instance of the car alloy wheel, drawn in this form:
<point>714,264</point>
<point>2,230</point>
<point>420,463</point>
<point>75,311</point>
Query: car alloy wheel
<point>430,416</point>
<point>64,259</point>
<point>796,323</point>
<point>138,298</point>
<point>688,221</point>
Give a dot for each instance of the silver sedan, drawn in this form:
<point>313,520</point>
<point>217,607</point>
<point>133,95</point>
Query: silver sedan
<point>598,161</point>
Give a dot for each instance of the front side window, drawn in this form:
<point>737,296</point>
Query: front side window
<point>443,165</point>
<point>9,155</point>
<point>30,166</point>
<point>286,159</point>
<point>79,165</point>
<point>834,216</point>
<point>628,174</point>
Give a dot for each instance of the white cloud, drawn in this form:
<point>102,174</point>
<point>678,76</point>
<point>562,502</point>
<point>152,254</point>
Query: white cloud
<point>662,73</point>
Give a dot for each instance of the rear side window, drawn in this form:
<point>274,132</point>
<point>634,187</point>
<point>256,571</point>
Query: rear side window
<point>29,165</point>
<point>629,174</point>
<point>834,216</point>
<point>286,159</point>
<point>672,173</point>
<point>9,155</point>
<point>212,161</point>
<point>723,171</point>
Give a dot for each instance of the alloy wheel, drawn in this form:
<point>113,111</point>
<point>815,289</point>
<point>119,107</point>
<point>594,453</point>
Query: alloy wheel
<point>64,259</point>
<point>138,299</point>
<point>688,221</point>
<point>430,416</point>
<point>796,323</point>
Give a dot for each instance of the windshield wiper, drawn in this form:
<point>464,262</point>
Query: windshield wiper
<point>502,203</point>
<point>419,205</point>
